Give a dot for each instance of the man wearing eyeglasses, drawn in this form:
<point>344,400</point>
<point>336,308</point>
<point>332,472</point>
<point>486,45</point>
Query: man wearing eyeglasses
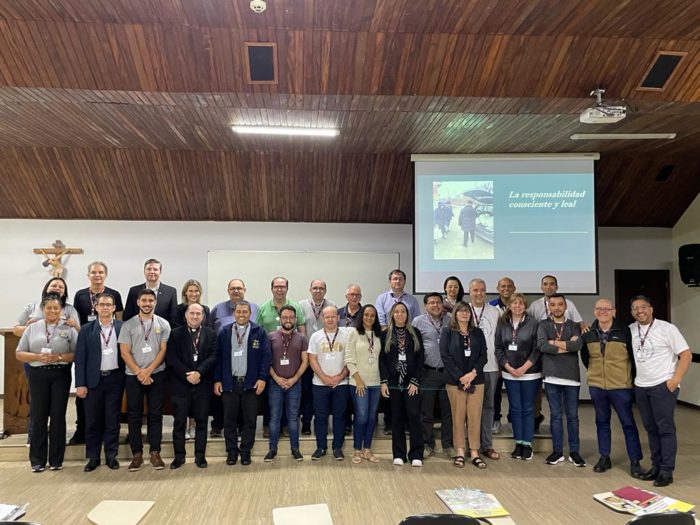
<point>348,313</point>
<point>222,313</point>
<point>607,354</point>
<point>662,357</point>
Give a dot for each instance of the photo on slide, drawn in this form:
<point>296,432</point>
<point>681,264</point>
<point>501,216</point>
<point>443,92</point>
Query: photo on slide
<point>463,226</point>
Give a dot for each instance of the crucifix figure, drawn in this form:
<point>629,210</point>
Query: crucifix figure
<point>53,257</point>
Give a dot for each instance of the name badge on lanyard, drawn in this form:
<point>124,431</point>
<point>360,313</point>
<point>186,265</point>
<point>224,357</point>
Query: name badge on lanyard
<point>46,350</point>
<point>513,347</point>
<point>284,361</point>
<point>147,350</point>
<point>467,352</point>
<point>239,353</point>
<point>107,351</point>
<point>91,317</point>
<point>402,357</point>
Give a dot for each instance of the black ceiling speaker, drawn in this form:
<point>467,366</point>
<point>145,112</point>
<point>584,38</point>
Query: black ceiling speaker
<point>689,264</point>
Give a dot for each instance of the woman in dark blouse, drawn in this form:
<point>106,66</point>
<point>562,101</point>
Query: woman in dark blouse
<point>400,366</point>
<point>463,352</point>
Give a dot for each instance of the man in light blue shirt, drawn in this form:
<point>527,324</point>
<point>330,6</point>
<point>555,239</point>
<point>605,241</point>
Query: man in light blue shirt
<point>397,281</point>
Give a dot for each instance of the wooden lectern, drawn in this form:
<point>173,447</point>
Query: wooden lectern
<point>16,400</point>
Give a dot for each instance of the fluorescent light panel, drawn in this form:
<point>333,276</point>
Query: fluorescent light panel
<point>275,130</point>
<point>622,136</point>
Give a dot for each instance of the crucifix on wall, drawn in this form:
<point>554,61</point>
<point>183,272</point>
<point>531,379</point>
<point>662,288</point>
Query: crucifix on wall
<point>53,255</point>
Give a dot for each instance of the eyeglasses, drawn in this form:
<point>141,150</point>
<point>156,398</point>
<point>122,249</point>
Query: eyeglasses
<point>105,305</point>
<point>640,308</point>
<point>604,310</point>
<point>354,295</point>
<point>237,289</point>
<point>318,289</point>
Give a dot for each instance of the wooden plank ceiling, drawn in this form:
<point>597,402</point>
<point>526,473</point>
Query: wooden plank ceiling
<point>123,108</point>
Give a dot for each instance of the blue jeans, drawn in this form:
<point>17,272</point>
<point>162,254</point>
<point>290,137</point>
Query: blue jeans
<point>279,399</point>
<point>563,399</point>
<point>365,416</point>
<point>329,401</point>
<point>621,400</point>
<point>521,403</point>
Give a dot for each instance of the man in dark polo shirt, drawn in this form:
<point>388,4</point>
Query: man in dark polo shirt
<point>289,361</point>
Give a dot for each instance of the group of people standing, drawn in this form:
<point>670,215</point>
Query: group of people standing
<point>314,360</point>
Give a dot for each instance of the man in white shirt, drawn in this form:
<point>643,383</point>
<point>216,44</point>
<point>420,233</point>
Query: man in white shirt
<point>539,309</point>
<point>662,357</point>
<point>330,382</point>
<point>486,317</point>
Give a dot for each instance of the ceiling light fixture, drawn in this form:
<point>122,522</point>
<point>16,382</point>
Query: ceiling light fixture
<point>623,136</point>
<point>275,130</point>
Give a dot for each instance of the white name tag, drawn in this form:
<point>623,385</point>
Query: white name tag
<point>238,354</point>
<point>402,357</point>
<point>146,350</point>
<point>284,362</point>
<point>46,350</point>
<point>91,317</point>
<point>512,347</point>
<point>329,356</point>
<point>467,353</point>
<point>195,357</point>
<point>107,351</point>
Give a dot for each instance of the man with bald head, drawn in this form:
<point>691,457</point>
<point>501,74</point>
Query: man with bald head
<point>608,356</point>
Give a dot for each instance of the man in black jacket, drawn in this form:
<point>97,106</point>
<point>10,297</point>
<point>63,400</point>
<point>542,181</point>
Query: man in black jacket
<point>190,361</point>
<point>166,296</point>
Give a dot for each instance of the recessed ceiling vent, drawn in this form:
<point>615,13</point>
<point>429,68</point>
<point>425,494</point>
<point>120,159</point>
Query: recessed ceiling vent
<point>661,70</point>
<point>261,62</point>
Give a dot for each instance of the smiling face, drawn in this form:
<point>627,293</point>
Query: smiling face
<point>477,293</point>
<point>604,311</point>
<point>152,273</point>
<point>505,289</point>
<point>279,290</point>
<point>193,294</point>
<point>194,315</point>
<point>52,311</point>
<point>517,306</point>
<point>397,282</point>
<point>434,306</point>
<point>549,286</point>
<point>330,318</point>
<point>105,308</point>
<point>368,318</point>
<point>97,275</point>
<point>56,286</point>
<point>353,296</point>
<point>400,315</point>
<point>452,289</point>
<point>557,306</point>
<point>288,320</point>
<point>146,304</point>
<point>642,312</point>
<point>236,290</point>
<point>463,315</point>
<point>318,291</point>
<point>242,314</point>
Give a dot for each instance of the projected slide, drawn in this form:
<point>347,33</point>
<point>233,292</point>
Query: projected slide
<point>523,218</point>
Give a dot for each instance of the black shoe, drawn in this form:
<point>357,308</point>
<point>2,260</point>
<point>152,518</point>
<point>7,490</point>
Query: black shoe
<point>387,431</point>
<point>603,464</point>
<point>112,463</point>
<point>348,431</point>
<point>576,459</point>
<point>201,461</point>
<point>663,480</point>
<point>538,421</point>
<point>232,459</point>
<point>306,429</point>
<point>318,454</point>
<point>91,465</point>
<point>177,463</point>
<point>338,454</point>
<point>635,469</point>
<point>215,433</point>
<point>517,452</point>
<point>297,455</point>
<point>650,475</point>
<point>77,439</point>
<point>527,454</point>
<point>270,456</point>
<point>245,460</point>
<point>554,458</point>
<point>38,468</point>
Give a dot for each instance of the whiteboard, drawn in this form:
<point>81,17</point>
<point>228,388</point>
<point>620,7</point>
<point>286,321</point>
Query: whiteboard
<point>338,269</point>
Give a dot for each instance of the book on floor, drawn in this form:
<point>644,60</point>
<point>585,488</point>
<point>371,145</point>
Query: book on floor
<point>636,501</point>
<point>474,503</point>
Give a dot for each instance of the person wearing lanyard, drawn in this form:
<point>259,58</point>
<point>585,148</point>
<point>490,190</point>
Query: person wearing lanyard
<point>362,362</point>
<point>662,357</point>
<point>48,346</point>
<point>348,314</point>
<point>454,293</point>
<point>385,301</point>
<point>400,369</point>
<point>330,384</point>
<point>242,369</point>
<point>486,317</point>
<point>559,340</point>
<point>85,302</point>
<point>289,362</point>
<point>142,343</point>
<point>430,325</point>
<point>464,354</point>
<point>190,360</point>
<point>608,356</point>
<point>505,288</point>
<point>518,356</point>
<point>99,381</point>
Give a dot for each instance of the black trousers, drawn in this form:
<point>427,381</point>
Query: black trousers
<point>657,405</point>
<point>80,417</point>
<point>154,394</point>
<point>239,401</point>
<point>50,386</point>
<point>197,404</point>
<point>433,386</point>
<point>216,411</point>
<point>102,409</point>
<point>405,412</point>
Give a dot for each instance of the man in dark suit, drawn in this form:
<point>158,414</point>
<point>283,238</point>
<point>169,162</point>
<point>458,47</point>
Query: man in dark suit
<point>99,380</point>
<point>190,361</point>
<point>243,361</point>
<point>166,296</point>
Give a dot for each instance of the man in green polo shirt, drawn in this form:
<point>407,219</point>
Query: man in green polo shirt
<point>268,315</point>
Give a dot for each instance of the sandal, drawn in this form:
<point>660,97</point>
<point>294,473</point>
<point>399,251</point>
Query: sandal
<point>367,454</point>
<point>479,463</point>
<point>458,461</point>
<point>491,454</point>
<point>357,457</point>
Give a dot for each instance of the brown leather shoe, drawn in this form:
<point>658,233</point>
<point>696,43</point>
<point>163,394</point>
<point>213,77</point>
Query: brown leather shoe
<point>156,461</point>
<point>136,462</point>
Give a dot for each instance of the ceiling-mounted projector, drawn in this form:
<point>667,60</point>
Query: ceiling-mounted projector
<point>602,113</point>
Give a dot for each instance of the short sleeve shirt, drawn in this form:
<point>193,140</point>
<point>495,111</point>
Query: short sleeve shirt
<point>330,351</point>
<point>145,349</point>
<point>60,339</point>
<point>656,359</point>
<point>286,353</point>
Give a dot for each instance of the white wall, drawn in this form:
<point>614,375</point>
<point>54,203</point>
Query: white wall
<point>183,246</point>
<point>685,301</point>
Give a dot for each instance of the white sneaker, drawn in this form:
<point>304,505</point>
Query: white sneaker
<point>496,429</point>
<point>188,436</point>
<point>398,462</point>
<point>416,463</point>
